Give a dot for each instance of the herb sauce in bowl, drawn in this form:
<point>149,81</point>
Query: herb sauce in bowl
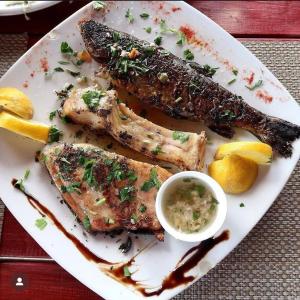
<point>190,206</point>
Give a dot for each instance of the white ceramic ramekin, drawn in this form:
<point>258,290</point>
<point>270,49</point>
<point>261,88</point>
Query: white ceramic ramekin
<point>217,192</point>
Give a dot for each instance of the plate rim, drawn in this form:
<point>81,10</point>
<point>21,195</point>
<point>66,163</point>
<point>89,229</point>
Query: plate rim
<point>18,9</point>
<point>183,287</point>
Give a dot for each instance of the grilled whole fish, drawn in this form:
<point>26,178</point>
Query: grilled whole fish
<point>179,88</point>
<point>105,190</point>
<point>183,149</point>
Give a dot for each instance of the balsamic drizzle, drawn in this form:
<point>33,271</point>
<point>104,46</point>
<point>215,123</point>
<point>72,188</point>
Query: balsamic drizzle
<point>174,279</point>
<point>44,211</point>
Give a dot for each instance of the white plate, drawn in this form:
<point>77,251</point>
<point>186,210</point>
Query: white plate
<point>19,8</point>
<point>154,263</point>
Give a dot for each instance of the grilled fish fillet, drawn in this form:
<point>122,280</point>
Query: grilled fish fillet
<point>105,190</point>
<point>179,88</point>
<point>183,149</point>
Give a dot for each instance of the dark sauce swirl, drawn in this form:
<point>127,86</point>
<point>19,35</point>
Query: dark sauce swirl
<point>44,211</point>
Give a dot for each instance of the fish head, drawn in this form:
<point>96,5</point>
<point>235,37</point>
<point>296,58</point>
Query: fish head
<point>97,38</point>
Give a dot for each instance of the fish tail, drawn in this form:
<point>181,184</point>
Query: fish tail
<point>279,134</point>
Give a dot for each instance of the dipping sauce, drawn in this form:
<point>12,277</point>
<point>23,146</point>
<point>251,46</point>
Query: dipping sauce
<point>189,206</point>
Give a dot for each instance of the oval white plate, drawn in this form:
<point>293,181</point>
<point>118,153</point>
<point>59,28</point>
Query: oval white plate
<point>219,50</point>
<point>20,8</point>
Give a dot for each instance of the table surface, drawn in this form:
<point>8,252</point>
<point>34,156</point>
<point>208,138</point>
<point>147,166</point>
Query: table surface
<point>255,20</point>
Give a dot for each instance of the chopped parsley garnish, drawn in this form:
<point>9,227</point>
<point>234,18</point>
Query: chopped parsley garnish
<point>126,271</point>
<point>66,119</point>
<point>187,179</point>
<point>196,215</point>
<point>73,73</point>
<point>188,55</point>
<point>98,5</point>
<point>40,223</point>
<point>88,175</point>
<point>157,150</point>
<point>131,176</point>
<point>200,189</point>
<point>133,219</point>
<point>235,71</point>
<point>54,134</point>
<point>66,49</point>
<point>129,16</point>
<point>71,188</point>
<point>72,56</point>
<point>227,115</point>
<point>20,182</point>
<point>209,71</point>
<point>79,62</point>
<point>126,193</point>
<point>142,208</point>
<point>86,223</point>
<point>116,36</point>
<point>117,172</point>
<point>26,175</point>
<point>258,84</point>
<point>181,38</point>
<point>158,40</point>
<point>63,62</point>
<point>144,16</point>
<point>164,28</point>
<point>231,81</point>
<point>181,136</point>
<point>213,204</point>
<point>52,115</point>
<point>58,69</point>
<point>100,201</point>
<point>149,50</point>
<point>92,98</point>
<point>148,29</point>
<point>152,182</point>
<point>242,205</point>
<point>124,65</point>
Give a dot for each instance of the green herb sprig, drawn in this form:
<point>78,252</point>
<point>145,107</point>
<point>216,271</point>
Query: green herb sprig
<point>181,136</point>
<point>152,182</point>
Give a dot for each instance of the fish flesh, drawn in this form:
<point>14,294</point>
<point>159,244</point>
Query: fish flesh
<point>106,191</point>
<point>179,88</point>
<point>183,149</point>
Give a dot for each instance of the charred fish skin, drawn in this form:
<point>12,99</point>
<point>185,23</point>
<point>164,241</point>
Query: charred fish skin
<point>104,189</point>
<point>180,89</point>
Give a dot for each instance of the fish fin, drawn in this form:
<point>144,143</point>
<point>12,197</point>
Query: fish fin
<point>279,134</point>
<point>223,130</point>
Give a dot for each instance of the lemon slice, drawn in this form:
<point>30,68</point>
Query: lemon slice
<point>234,173</point>
<point>16,102</point>
<point>35,131</point>
<point>258,152</point>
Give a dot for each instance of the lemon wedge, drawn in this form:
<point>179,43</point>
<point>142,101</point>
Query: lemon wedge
<point>35,131</point>
<point>234,173</point>
<point>258,152</point>
<point>14,101</point>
